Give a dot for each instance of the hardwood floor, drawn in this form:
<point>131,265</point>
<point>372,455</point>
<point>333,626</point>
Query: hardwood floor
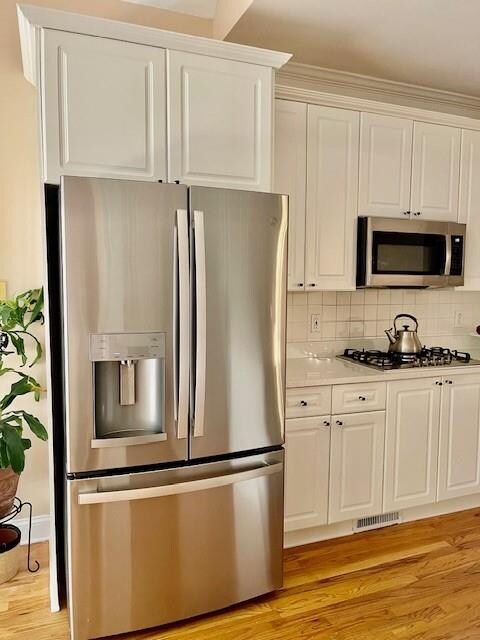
<point>418,580</point>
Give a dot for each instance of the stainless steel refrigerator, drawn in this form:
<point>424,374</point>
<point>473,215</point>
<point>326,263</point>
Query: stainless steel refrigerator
<point>173,327</point>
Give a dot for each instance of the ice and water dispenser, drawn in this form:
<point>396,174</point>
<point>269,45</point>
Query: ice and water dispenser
<point>129,385</point>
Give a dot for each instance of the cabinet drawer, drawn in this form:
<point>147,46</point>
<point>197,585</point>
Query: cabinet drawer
<point>349,398</point>
<point>308,401</point>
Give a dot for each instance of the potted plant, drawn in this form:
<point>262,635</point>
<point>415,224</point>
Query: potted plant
<point>16,319</point>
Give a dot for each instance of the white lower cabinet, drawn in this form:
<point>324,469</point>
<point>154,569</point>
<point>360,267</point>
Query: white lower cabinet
<point>459,452</point>
<point>356,465</point>
<point>411,444</point>
<point>306,472</point>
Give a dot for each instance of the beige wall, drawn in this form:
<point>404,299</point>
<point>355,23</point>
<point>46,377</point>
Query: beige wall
<point>20,224</point>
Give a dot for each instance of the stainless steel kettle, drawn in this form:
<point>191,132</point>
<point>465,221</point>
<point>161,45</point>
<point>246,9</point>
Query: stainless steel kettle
<point>406,340</point>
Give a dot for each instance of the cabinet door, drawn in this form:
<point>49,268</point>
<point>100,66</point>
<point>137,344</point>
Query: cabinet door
<point>435,171</point>
<point>385,165</point>
<point>356,465</point>
<point>104,108</point>
<point>307,451</point>
<point>332,189</point>
<point>459,452</point>
<point>290,177</point>
<point>411,445</point>
<point>220,122</point>
<point>469,205</point>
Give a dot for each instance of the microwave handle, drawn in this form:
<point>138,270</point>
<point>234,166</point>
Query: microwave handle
<point>448,253</point>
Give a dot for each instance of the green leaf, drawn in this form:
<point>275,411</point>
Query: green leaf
<point>36,426</point>
<point>19,345</point>
<point>4,461</point>
<point>19,388</point>
<point>36,311</point>
<point>27,443</point>
<point>15,451</point>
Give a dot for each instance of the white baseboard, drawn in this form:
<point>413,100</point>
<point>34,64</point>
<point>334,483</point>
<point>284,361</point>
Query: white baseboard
<point>40,528</point>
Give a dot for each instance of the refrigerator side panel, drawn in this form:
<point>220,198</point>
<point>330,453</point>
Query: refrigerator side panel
<point>120,276</point>
<point>152,548</point>
<point>239,275</point>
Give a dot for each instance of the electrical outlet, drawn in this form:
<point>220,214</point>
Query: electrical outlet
<point>3,289</point>
<point>315,323</point>
<point>459,319</point>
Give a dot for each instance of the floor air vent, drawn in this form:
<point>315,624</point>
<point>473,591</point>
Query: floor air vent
<point>375,522</point>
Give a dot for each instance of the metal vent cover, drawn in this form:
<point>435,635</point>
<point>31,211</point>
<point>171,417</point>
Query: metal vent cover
<point>375,522</point>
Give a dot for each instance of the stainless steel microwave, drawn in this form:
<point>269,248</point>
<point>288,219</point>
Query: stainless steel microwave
<point>409,253</point>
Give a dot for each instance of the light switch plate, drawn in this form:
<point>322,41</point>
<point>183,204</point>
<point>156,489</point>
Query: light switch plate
<point>3,289</point>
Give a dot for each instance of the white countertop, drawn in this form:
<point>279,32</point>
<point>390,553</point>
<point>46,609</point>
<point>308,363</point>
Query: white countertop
<point>317,371</point>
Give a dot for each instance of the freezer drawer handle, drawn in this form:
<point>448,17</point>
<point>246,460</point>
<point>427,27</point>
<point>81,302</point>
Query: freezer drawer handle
<point>181,487</point>
<point>182,316</point>
<point>201,318</point>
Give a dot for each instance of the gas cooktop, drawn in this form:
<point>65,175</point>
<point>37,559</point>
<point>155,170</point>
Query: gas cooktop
<point>428,357</point>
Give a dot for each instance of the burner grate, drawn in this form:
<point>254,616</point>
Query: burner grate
<point>429,356</point>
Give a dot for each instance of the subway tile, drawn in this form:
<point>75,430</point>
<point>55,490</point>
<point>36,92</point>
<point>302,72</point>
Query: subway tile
<point>343,297</point>
<point>297,332</point>
<point>371,296</point>
<point>328,329</point>
<point>370,312</point>
<point>356,329</point>
<point>396,296</point>
<point>329,314</point>
<point>315,297</point>
<point>381,328</point>
<point>329,297</point>
<point>357,312</point>
<point>300,298</point>
<point>343,313</point>
<point>408,298</point>
<point>383,312</point>
<point>358,297</point>
<point>384,296</point>
<point>342,330</point>
<point>370,328</point>
<point>297,314</point>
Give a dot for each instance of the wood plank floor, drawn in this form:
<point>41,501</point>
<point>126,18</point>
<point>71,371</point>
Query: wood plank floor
<point>419,580</point>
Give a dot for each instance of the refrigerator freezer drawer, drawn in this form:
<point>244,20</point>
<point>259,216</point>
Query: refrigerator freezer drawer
<point>151,548</point>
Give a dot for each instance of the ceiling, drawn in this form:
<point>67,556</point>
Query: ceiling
<point>200,8</point>
<point>434,43</point>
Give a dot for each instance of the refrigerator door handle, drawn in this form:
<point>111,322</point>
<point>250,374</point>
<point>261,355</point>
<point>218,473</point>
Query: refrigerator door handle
<point>181,487</point>
<point>182,321</point>
<point>201,324</point>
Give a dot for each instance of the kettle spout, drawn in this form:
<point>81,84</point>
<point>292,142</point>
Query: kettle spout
<point>390,336</point>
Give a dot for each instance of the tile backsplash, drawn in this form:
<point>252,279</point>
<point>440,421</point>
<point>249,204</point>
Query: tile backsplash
<point>337,315</point>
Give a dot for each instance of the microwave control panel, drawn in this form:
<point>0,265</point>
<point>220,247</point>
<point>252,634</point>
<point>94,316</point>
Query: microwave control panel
<point>457,256</point>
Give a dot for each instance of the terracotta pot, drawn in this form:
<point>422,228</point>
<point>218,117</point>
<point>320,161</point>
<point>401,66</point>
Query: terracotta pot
<point>8,490</point>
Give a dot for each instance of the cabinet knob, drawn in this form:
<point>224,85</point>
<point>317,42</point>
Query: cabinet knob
<point>439,383</point>
<point>326,423</point>
<point>407,213</point>
<point>300,284</point>
<point>312,284</point>
<point>339,422</point>
<point>417,213</point>
<point>362,398</point>
<point>448,381</point>
<point>303,403</point>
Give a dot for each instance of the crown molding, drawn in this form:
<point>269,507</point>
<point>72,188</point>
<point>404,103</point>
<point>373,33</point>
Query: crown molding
<point>329,81</point>
<point>33,18</point>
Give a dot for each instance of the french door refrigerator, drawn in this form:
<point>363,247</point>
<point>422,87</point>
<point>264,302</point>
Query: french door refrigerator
<point>173,327</point>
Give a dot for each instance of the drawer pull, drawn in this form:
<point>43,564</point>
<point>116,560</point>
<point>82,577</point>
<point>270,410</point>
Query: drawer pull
<point>303,403</point>
<point>340,423</point>
<point>362,398</point>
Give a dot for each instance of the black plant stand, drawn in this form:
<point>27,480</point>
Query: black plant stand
<point>18,505</point>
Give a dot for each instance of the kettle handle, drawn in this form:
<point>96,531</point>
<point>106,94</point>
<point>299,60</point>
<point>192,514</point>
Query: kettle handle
<point>404,315</point>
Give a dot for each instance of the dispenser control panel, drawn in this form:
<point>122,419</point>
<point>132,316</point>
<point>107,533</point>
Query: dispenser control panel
<point>108,347</point>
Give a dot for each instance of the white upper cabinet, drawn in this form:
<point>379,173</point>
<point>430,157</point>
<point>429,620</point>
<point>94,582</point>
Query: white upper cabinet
<point>307,451</point>
<point>435,171</point>
<point>104,108</point>
<point>220,122</point>
<point>332,188</point>
<point>469,205</point>
<point>385,165</point>
<point>289,176</point>
<point>459,453</point>
<point>411,444</point>
<point>356,465</point>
